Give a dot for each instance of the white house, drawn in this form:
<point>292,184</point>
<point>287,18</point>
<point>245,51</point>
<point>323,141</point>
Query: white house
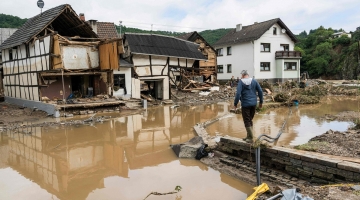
<point>265,49</point>
<point>341,33</point>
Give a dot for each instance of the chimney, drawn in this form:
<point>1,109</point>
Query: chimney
<point>82,17</point>
<point>93,25</point>
<point>238,27</point>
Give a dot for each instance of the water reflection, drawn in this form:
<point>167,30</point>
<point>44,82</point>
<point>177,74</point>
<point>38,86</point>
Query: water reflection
<point>304,122</point>
<point>125,157</point>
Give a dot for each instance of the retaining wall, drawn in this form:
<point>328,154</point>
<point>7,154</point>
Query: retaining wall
<point>315,167</point>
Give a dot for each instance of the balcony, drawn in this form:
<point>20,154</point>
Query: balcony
<point>287,54</point>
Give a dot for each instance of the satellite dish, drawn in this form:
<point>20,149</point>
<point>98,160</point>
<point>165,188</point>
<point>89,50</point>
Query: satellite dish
<point>283,30</point>
<point>40,4</point>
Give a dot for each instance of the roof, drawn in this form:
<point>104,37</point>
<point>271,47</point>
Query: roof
<point>252,32</point>
<point>192,36</point>
<point>62,19</point>
<point>106,30</point>
<point>124,63</point>
<point>151,44</point>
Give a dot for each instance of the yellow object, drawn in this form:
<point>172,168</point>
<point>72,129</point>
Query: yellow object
<point>258,191</point>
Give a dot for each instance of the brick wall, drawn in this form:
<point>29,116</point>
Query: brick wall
<point>315,167</point>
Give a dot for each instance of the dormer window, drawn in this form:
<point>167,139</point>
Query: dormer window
<point>274,30</point>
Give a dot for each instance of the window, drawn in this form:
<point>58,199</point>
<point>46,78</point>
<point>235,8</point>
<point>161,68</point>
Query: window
<point>290,66</point>
<point>229,68</point>
<point>265,66</point>
<point>10,54</point>
<point>229,51</point>
<point>265,47</point>
<point>119,82</point>
<point>284,47</point>
<point>27,48</point>
<point>219,52</point>
<point>220,69</point>
<point>274,30</point>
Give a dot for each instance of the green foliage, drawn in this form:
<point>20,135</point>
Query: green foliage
<point>212,36</point>
<point>324,56</point>
<point>9,21</point>
<point>178,188</point>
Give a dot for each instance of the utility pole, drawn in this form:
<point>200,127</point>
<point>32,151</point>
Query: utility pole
<point>120,28</point>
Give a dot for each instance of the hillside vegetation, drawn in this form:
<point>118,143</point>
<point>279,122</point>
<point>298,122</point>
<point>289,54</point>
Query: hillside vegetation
<point>9,21</point>
<point>329,58</point>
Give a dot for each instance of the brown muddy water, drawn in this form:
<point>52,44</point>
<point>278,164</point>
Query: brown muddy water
<point>122,158</point>
<point>304,122</point>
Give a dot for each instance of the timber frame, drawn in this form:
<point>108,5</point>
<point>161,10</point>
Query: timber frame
<point>38,55</point>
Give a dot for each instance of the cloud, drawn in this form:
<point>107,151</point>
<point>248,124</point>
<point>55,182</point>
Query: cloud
<point>206,14</point>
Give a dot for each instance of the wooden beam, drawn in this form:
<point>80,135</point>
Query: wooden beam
<point>71,73</point>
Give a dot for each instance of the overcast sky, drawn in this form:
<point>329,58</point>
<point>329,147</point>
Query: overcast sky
<point>190,15</point>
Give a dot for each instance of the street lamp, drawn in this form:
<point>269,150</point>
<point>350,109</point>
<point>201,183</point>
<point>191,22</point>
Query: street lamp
<point>40,4</point>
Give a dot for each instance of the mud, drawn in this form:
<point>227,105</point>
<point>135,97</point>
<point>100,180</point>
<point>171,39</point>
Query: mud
<point>335,143</point>
<point>122,157</point>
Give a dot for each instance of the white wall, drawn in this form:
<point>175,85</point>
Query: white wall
<point>241,58</point>
<point>275,41</point>
<point>293,74</point>
<point>23,70</point>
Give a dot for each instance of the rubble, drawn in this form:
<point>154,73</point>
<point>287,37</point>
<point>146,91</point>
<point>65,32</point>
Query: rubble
<point>188,149</point>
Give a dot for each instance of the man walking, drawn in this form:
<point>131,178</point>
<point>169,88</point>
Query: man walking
<point>246,93</point>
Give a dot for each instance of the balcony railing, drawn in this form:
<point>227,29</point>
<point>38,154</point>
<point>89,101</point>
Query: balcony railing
<point>287,54</point>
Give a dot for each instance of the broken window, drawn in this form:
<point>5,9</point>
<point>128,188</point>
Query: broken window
<point>284,47</point>
<point>265,47</point>
<point>220,69</point>
<point>265,66</point>
<point>119,81</point>
<point>290,66</point>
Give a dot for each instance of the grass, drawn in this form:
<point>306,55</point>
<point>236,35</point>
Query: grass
<point>312,146</point>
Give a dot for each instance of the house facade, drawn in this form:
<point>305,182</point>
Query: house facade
<point>56,55</point>
<point>208,69</point>
<point>5,33</point>
<point>265,50</point>
<point>154,61</point>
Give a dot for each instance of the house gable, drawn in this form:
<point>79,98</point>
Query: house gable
<point>61,19</point>
<point>252,32</point>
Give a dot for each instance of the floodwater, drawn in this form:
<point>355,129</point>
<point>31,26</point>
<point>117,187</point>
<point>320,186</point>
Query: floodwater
<point>123,158</point>
<point>303,123</point>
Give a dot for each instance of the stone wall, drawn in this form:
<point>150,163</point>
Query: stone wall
<point>311,166</point>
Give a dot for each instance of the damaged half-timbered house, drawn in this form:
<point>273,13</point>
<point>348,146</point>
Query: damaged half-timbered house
<point>55,56</point>
<point>208,70</point>
<point>158,61</point>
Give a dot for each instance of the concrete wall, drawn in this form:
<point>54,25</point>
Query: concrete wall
<point>315,167</point>
<point>241,58</point>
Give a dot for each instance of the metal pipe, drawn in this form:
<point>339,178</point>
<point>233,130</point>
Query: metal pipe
<point>257,154</point>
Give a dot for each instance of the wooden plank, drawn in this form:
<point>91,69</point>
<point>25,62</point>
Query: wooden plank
<point>57,62</point>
